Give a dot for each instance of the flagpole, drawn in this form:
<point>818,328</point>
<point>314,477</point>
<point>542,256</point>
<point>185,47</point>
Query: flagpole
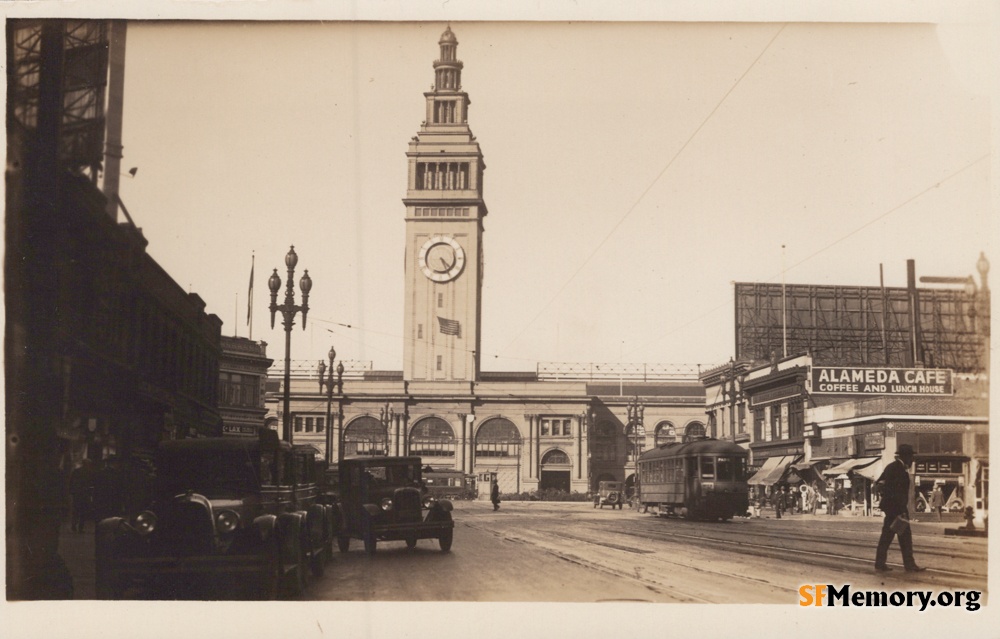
<point>250,297</point>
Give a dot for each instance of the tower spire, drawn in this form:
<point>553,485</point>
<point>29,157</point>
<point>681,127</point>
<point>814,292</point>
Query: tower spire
<point>448,68</point>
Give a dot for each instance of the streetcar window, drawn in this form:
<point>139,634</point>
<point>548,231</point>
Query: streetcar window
<point>725,468</point>
<point>707,468</point>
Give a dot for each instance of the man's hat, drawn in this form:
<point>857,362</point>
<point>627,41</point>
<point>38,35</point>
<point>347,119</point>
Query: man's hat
<point>904,449</point>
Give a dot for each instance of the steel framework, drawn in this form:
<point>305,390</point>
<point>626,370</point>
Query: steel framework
<point>863,326</point>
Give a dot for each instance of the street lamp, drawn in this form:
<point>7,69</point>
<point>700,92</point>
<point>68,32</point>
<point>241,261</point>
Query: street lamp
<point>635,411</point>
<point>288,311</point>
<point>322,368</point>
<point>386,414</point>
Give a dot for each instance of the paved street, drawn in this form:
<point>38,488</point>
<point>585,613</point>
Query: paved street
<point>567,552</point>
<point>543,551</point>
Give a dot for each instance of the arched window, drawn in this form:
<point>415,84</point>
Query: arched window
<point>366,436</point>
<point>432,437</point>
<point>693,431</point>
<point>665,433</point>
<point>555,458</point>
<point>498,437</point>
<point>602,443</point>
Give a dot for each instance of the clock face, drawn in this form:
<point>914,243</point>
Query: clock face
<point>441,258</point>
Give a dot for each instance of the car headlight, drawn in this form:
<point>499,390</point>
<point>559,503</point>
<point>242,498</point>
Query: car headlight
<point>386,504</point>
<point>145,522</point>
<point>226,521</point>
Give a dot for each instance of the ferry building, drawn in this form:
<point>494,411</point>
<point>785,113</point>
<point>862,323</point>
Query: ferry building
<point>562,426</point>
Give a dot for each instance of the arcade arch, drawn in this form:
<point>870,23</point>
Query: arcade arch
<point>432,437</point>
<point>366,436</point>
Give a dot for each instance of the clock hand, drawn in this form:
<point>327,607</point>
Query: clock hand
<point>446,265</point>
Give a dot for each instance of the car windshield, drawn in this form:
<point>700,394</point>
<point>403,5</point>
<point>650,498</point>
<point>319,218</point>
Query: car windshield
<point>212,473</point>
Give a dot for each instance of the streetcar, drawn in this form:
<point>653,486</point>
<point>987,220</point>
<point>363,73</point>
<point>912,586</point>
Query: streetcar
<point>448,484</point>
<point>703,479</point>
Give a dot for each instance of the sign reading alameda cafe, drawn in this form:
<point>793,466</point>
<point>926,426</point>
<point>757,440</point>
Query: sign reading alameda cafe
<point>881,381</point>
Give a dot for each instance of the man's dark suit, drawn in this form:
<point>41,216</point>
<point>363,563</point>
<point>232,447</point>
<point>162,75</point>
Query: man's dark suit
<point>895,483</point>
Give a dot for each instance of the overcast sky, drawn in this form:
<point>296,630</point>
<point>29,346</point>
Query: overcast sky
<point>633,171</point>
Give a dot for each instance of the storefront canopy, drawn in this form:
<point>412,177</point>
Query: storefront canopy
<point>855,464</point>
<point>871,471</point>
<point>765,470</point>
<point>772,470</point>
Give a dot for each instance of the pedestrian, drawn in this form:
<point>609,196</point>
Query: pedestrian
<point>495,495</point>
<point>896,491</point>
<point>779,502</point>
<point>937,500</point>
<point>81,494</point>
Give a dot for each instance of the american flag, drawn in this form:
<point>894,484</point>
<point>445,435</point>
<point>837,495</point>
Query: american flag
<point>450,327</point>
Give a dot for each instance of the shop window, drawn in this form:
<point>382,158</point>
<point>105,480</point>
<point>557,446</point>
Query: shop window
<point>758,424</point>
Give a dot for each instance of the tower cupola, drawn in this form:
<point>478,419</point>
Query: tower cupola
<point>448,68</point>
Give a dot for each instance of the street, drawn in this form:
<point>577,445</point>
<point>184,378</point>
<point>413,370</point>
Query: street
<point>565,552</point>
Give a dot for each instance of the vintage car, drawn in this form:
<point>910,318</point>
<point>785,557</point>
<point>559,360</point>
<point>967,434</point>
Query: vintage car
<point>610,493</point>
<point>227,514</point>
<point>384,499</point>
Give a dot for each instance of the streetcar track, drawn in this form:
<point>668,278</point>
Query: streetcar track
<point>923,548</point>
<point>726,543</point>
<point>656,586</point>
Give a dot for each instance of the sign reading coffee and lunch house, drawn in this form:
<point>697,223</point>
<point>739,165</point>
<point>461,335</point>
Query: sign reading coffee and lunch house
<point>849,380</point>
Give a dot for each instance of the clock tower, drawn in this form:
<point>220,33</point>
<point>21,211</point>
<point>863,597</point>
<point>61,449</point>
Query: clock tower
<point>444,233</point>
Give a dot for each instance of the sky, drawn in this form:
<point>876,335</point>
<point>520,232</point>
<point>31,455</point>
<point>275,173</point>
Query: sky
<point>634,171</point>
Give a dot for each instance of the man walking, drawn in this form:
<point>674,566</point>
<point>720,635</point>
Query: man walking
<point>896,490</point>
<point>495,495</point>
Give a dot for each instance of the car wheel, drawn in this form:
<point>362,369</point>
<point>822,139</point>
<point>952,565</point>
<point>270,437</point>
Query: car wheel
<point>445,540</point>
<point>370,543</point>
<point>411,542</point>
<point>344,543</point>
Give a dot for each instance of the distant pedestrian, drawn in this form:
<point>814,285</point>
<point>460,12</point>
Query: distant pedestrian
<point>937,500</point>
<point>779,502</point>
<point>495,495</point>
<point>896,490</point>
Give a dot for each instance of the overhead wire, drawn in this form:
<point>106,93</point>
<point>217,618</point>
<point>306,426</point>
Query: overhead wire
<point>830,245</point>
<point>641,197</point>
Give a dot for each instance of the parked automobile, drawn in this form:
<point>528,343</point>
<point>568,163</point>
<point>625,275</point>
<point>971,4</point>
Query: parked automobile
<point>226,512</point>
<point>610,493</point>
<point>383,499</point>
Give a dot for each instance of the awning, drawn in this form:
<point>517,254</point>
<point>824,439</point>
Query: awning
<point>765,470</point>
<point>850,464</point>
<point>779,470</point>
<point>871,471</point>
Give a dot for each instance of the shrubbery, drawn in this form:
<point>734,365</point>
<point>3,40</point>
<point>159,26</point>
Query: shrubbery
<point>546,494</point>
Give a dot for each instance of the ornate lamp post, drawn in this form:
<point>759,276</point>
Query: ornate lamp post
<point>635,411</point>
<point>322,368</point>
<point>386,415</point>
<point>288,311</point>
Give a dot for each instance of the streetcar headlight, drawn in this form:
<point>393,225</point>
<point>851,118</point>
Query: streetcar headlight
<point>386,504</point>
<point>226,521</point>
<point>145,522</point>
